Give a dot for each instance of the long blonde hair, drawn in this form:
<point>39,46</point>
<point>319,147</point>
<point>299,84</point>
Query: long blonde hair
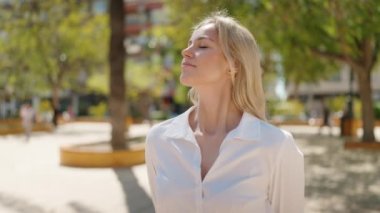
<point>242,53</point>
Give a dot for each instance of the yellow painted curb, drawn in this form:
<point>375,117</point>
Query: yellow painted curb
<point>76,156</point>
<point>375,146</point>
<point>20,130</point>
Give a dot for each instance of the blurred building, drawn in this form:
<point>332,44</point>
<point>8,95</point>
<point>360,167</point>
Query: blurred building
<point>141,16</point>
<point>341,84</point>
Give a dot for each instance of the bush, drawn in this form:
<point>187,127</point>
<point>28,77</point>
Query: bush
<point>292,109</point>
<point>337,104</point>
<point>377,110</point>
<point>98,110</point>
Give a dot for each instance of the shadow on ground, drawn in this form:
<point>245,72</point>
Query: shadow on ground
<point>17,204</point>
<point>339,180</point>
<point>20,205</point>
<point>135,197</point>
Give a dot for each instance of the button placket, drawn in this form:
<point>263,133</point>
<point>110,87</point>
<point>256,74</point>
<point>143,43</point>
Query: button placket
<point>197,173</point>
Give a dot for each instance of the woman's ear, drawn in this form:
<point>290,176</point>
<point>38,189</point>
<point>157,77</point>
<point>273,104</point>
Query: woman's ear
<point>232,67</point>
<point>232,71</point>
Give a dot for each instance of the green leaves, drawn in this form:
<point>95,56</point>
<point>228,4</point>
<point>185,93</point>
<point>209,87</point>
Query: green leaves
<point>49,43</point>
<point>288,28</point>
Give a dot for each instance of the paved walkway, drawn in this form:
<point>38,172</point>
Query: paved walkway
<point>338,180</point>
<point>32,181</point>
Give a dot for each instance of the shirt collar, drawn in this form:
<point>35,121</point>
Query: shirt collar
<point>248,128</point>
<point>180,127</point>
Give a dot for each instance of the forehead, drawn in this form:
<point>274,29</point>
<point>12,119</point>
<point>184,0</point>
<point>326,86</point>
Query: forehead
<point>205,31</point>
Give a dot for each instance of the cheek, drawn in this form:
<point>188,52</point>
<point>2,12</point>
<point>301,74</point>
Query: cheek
<point>216,64</point>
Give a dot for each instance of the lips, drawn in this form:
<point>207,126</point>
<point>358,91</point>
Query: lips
<point>187,64</point>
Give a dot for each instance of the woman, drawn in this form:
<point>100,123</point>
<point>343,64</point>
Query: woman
<point>221,155</point>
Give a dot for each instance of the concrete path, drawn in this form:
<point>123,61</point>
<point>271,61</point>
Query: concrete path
<point>32,181</point>
<point>338,180</point>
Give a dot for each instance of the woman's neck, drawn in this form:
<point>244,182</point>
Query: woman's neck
<point>215,113</point>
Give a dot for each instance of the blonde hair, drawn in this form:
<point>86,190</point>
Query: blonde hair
<point>242,53</point>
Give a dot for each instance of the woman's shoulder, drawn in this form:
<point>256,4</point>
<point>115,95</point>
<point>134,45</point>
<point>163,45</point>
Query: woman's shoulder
<point>157,130</point>
<point>274,135</point>
<point>272,131</point>
<point>278,137</point>
<point>168,128</point>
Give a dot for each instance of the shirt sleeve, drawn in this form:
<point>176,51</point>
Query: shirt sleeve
<point>288,183</point>
<point>151,169</point>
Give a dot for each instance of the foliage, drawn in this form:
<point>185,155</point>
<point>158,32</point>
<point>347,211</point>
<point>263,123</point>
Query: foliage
<point>340,31</point>
<point>377,110</point>
<point>180,95</point>
<point>98,82</point>
<point>357,108</point>
<point>44,106</point>
<point>292,108</point>
<point>145,76</point>
<point>48,43</point>
<point>337,104</point>
<point>98,110</point>
<point>141,76</point>
<point>330,27</point>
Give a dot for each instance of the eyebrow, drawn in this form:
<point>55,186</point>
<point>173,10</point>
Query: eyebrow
<point>202,38</point>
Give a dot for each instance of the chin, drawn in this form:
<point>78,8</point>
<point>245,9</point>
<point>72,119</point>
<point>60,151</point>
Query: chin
<point>185,81</point>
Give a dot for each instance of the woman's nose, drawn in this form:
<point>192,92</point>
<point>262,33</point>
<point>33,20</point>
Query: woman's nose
<point>186,53</point>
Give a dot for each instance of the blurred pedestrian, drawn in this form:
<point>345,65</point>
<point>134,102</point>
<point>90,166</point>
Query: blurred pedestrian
<point>69,114</point>
<point>325,119</point>
<point>221,155</point>
<point>27,115</point>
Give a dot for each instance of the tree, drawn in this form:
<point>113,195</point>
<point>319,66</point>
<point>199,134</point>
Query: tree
<point>51,42</point>
<point>346,32</point>
<point>116,57</point>
<point>17,78</point>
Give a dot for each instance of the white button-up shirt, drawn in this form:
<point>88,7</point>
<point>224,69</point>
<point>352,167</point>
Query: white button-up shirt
<point>259,169</point>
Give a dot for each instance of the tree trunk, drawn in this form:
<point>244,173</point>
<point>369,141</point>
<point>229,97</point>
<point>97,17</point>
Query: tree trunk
<point>55,104</point>
<point>117,54</point>
<point>363,71</point>
<point>365,91</point>
<point>296,90</point>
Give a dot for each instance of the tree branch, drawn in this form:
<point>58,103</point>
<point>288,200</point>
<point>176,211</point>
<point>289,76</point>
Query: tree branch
<point>338,57</point>
<point>50,79</point>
